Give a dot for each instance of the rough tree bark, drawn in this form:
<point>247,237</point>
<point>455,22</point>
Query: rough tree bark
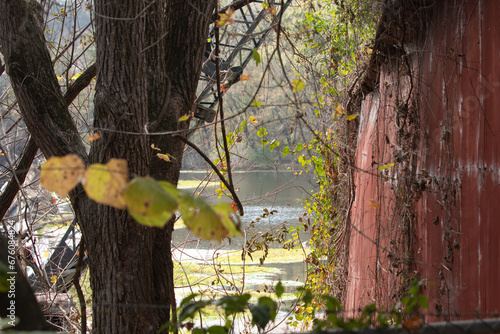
<point>149,59</point>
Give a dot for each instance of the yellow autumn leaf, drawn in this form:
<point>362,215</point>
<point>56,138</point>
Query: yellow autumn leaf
<point>154,147</point>
<point>389,165</point>
<point>94,137</point>
<point>184,118</point>
<point>59,78</point>
<point>253,120</point>
<point>245,77</point>
<point>76,76</point>
<point>340,110</point>
<point>61,174</point>
<point>374,203</point>
<point>226,18</point>
<point>105,183</point>
<point>271,10</point>
<point>53,279</point>
<point>297,85</point>
<point>256,103</point>
<point>163,156</point>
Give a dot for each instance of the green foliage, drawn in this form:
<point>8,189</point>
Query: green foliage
<point>256,103</point>
<point>370,316</point>
<point>256,56</point>
<point>334,38</point>
<point>297,85</point>
<point>262,132</point>
<point>264,312</point>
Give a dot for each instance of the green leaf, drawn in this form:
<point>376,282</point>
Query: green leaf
<point>279,289</point>
<point>188,299</point>
<point>148,203</point>
<point>184,118</point>
<point>234,304</point>
<point>264,142</point>
<point>264,312</point>
<point>198,331</point>
<point>256,103</point>
<point>307,296</point>
<point>242,126</point>
<point>298,148</point>
<point>332,304</point>
<point>274,144</point>
<point>191,309</point>
<point>423,302</point>
<point>262,132</point>
<point>256,57</point>
<point>261,315</point>
<point>217,330</point>
<point>229,218</point>
<point>210,223</point>
<point>286,150</point>
<point>170,188</point>
<point>351,117</point>
<point>297,85</point>
<point>389,165</point>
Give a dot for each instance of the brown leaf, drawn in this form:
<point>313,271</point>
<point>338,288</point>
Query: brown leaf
<point>163,157</point>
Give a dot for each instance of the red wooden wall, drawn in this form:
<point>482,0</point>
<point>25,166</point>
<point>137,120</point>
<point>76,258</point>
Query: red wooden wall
<point>439,213</point>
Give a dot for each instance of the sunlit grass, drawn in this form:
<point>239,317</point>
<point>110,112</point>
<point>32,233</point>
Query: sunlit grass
<point>275,255</point>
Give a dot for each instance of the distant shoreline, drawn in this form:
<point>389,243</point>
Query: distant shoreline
<point>193,171</point>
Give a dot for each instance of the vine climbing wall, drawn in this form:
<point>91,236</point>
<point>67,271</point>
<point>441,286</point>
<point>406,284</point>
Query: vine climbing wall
<point>426,167</point>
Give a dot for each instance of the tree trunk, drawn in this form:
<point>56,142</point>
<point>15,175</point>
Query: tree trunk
<point>149,59</point>
<point>147,72</point>
<point>170,63</point>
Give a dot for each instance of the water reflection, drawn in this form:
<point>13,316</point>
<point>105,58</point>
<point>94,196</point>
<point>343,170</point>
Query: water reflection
<point>280,192</point>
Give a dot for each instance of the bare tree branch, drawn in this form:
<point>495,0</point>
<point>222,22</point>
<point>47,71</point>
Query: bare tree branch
<point>18,177</point>
<point>34,81</point>
<point>216,170</point>
<point>237,4</point>
<point>31,148</point>
<point>76,283</point>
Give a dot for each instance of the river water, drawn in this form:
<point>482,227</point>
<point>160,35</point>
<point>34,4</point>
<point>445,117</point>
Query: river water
<point>280,192</point>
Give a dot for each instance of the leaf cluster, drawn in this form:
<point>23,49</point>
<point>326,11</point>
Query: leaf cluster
<point>325,312</point>
<point>151,203</point>
<point>262,312</point>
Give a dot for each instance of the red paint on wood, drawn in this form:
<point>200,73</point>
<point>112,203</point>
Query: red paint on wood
<point>453,239</point>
